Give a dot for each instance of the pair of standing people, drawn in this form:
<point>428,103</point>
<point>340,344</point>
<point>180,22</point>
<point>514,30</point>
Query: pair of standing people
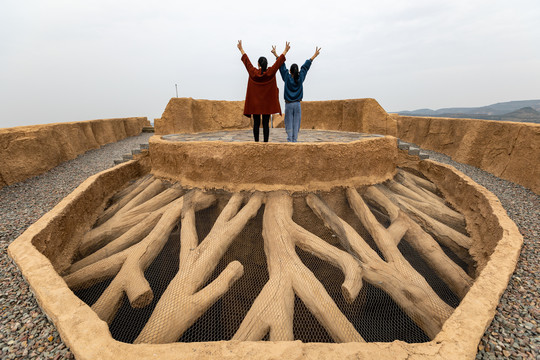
<point>262,95</point>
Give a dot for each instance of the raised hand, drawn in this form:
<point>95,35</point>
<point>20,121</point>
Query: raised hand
<point>274,51</point>
<point>287,47</point>
<point>317,51</point>
<point>240,47</point>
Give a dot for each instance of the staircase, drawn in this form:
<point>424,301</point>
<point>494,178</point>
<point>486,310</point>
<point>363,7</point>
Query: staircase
<point>128,157</point>
<point>412,149</point>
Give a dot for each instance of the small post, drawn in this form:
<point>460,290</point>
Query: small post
<point>176,86</point>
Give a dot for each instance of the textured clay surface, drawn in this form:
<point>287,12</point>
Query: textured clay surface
<point>506,149</point>
<point>28,151</point>
<point>496,248</point>
<point>187,115</point>
<point>271,166</point>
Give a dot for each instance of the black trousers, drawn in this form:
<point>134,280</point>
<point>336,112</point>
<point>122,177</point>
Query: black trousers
<point>257,124</point>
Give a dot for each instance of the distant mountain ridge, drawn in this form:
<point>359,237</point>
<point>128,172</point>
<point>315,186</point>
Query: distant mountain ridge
<point>522,110</point>
<point>494,109</point>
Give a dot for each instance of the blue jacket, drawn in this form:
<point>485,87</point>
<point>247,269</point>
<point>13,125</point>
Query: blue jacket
<point>294,91</point>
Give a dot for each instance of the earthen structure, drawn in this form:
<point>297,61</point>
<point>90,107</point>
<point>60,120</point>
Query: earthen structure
<point>28,151</point>
<point>247,166</point>
<point>351,205</point>
<point>47,250</point>
<point>193,115</point>
<point>506,149</point>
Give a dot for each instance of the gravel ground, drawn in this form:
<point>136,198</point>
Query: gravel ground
<point>514,332</point>
<point>26,333</point>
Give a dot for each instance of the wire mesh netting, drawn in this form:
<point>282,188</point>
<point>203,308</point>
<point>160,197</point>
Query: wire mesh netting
<point>374,314</point>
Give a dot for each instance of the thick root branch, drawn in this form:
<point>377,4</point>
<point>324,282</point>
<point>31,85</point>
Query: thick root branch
<point>123,197</point>
<point>273,309</point>
<point>394,276</point>
<point>435,209</point>
<point>453,275</point>
<point>139,209</point>
<point>183,302</point>
<point>454,240</point>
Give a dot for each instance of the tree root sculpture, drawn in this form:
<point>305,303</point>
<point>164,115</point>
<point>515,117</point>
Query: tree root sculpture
<point>183,302</point>
<point>273,309</point>
<point>430,219</point>
<point>434,209</point>
<point>394,274</point>
<point>454,276</point>
<point>130,215</point>
<point>128,266</point>
<point>123,197</point>
<point>132,232</point>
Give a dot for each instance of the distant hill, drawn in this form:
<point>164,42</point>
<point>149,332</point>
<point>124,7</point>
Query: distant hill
<point>524,110</point>
<point>524,113</point>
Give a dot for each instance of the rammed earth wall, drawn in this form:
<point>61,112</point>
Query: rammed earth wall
<point>187,115</point>
<point>41,250</point>
<point>27,151</point>
<point>508,150</point>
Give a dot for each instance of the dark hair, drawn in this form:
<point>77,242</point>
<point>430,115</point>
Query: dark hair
<point>295,73</point>
<point>263,63</point>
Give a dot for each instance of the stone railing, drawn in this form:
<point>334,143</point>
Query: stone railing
<point>28,151</point>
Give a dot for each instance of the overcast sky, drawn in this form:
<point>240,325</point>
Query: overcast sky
<point>80,60</point>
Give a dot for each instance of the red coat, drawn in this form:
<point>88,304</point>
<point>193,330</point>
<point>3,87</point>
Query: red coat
<point>262,95</point>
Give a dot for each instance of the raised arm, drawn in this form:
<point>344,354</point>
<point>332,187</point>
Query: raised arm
<point>274,51</point>
<point>317,51</point>
<point>287,48</point>
<point>245,59</point>
<point>240,47</point>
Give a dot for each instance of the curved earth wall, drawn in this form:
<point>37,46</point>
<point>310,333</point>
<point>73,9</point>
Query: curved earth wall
<point>187,115</point>
<point>360,115</point>
<point>245,166</point>
<point>28,151</point>
<point>508,150</point>
<point>44,249</point>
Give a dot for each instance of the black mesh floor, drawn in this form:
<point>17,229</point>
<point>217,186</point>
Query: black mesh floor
<point>374,314</point>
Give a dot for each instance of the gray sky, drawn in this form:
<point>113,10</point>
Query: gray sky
<point>80,60</point>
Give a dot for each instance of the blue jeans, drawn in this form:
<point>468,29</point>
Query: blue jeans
<point>293,115</point>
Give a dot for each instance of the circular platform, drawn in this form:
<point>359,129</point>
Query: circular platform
<point>231,160</point>
<point>276,135</point>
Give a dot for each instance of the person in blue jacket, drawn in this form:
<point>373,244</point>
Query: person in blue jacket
<point>294,92</point>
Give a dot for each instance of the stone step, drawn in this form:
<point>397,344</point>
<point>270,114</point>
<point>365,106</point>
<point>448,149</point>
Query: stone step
<point>414,151</point>
<point>402,145</point>
<point>148,129</point>
<point>127,157</point>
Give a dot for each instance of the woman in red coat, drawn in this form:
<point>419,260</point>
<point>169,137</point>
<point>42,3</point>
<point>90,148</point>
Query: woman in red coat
<point>262,95</point>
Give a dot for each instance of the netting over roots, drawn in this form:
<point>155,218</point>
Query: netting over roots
<point>276,266</point>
